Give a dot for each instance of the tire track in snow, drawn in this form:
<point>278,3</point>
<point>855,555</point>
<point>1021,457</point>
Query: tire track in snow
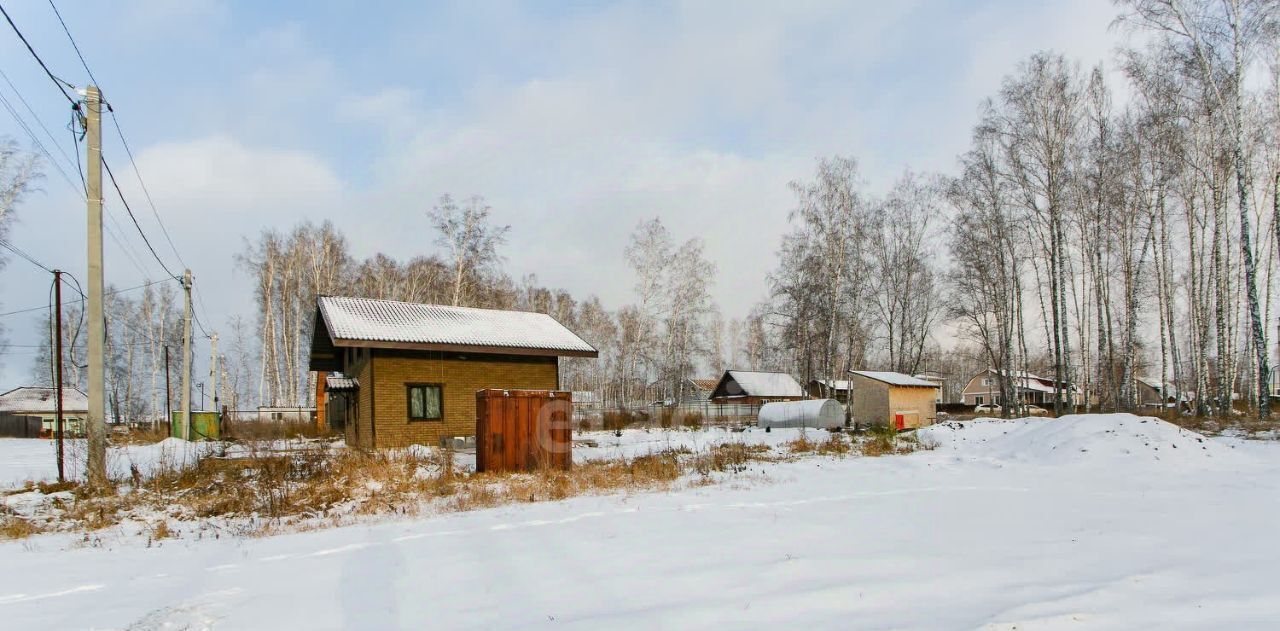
<point>22,598</point>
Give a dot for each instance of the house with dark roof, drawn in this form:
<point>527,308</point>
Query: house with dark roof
<point>754,388</point>
<point>410,372</point>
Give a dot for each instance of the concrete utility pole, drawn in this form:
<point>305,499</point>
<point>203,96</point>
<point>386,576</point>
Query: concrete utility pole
<point>213,368</point>
<point>186,356</point>
<point>97,421</point>
<point>57,362</point>
<point>168,405</point>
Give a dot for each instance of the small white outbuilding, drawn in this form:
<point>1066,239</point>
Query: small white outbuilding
<point>818,413</point>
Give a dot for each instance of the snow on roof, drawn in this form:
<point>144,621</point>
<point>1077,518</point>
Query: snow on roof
<point>766,384</point>
<point>43,400</point>
<point>338,383</point>
<point>834,384</point>
<point>895,378</point>
<point>366,319</point>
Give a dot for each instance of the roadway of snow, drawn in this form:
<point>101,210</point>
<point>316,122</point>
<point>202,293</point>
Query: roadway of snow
<point>1084,522</point>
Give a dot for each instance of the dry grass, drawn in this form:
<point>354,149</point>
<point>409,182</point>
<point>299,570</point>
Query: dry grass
<point>140,436</point>
<point>886,441</point>
<point>263,491</point>
<point>802,444</point>
<point>1246,423</point>
<point>15,527</point>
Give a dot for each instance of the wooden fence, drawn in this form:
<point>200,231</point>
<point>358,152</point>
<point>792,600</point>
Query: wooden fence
<point>14,426</point>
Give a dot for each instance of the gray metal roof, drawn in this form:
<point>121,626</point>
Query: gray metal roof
<point>370,320</point>
<point>43,400</point>
<point>764,384</point>
<point>339,383</point>
<point>896,378</point>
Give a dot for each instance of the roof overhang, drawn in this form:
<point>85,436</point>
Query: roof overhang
<point>464,348</point>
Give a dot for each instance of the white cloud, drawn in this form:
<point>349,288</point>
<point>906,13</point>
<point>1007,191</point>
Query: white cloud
<point>219,172</point>
<point>575,127</point>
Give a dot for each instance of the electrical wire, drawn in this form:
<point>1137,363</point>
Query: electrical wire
<point>111,175</point>
<point>30,259</point>
<point>129,210</point>
<point>37,118</point>
<point>56,81</point>
<point>73,42</point>
<point>107,293</point>
<point>35,140</point>
<point>115,122</point>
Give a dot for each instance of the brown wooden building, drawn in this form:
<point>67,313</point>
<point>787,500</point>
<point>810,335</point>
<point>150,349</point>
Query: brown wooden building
<point>892,399</point>
<point>410,371</point>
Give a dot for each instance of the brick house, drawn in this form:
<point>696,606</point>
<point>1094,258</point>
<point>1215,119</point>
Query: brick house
<point>410,372</point>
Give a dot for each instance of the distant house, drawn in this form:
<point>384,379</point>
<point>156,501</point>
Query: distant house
<point>837,389</point>
<point>415,368</point>
<point>698,390</point>
<point>41,402</point>
<point>754,388</point>
<point>984,388</point>
<point>1151,393</point>
<point>892,399</point>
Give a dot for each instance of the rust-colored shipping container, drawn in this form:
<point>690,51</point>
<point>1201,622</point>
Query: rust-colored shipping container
<point>523,430</point>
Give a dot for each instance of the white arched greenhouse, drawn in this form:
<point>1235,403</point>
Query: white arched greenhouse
<point>816,413</point>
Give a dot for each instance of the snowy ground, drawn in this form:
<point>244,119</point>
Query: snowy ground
<point>25,460</point>
<point>1085,522</point>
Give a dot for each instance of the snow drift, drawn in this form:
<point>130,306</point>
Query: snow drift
<point>1091,438</point>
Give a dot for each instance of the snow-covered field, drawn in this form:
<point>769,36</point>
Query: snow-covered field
<point>34,460</point>
<point>1087,522</point>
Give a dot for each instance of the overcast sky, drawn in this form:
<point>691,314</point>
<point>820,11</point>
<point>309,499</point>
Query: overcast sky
<point>575,122</point>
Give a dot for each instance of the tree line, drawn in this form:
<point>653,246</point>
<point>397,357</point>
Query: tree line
<point>1100,227</point>
<point>1094,239</point>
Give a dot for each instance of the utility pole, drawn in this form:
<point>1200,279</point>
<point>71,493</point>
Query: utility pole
<point>213,368</point>
<point>186,355</point>
<point>168,406</point>
<point>57,381</point>
<point>97,421</point>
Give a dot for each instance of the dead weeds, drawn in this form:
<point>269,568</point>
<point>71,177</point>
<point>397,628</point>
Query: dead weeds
<point>261,491</point>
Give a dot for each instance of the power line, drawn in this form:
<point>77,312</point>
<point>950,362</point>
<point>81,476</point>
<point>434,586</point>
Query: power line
<point>30,259</point>
<point>200,299</point>
<point>56,81</point>
<point>35,140</point>
<point>145,192</point>
<point>120,193</point>
<point>115,122</point>
<point>37,118</point>
<point>73,42</point>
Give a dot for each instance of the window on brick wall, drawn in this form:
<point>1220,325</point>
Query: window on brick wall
<point>426,402</point>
